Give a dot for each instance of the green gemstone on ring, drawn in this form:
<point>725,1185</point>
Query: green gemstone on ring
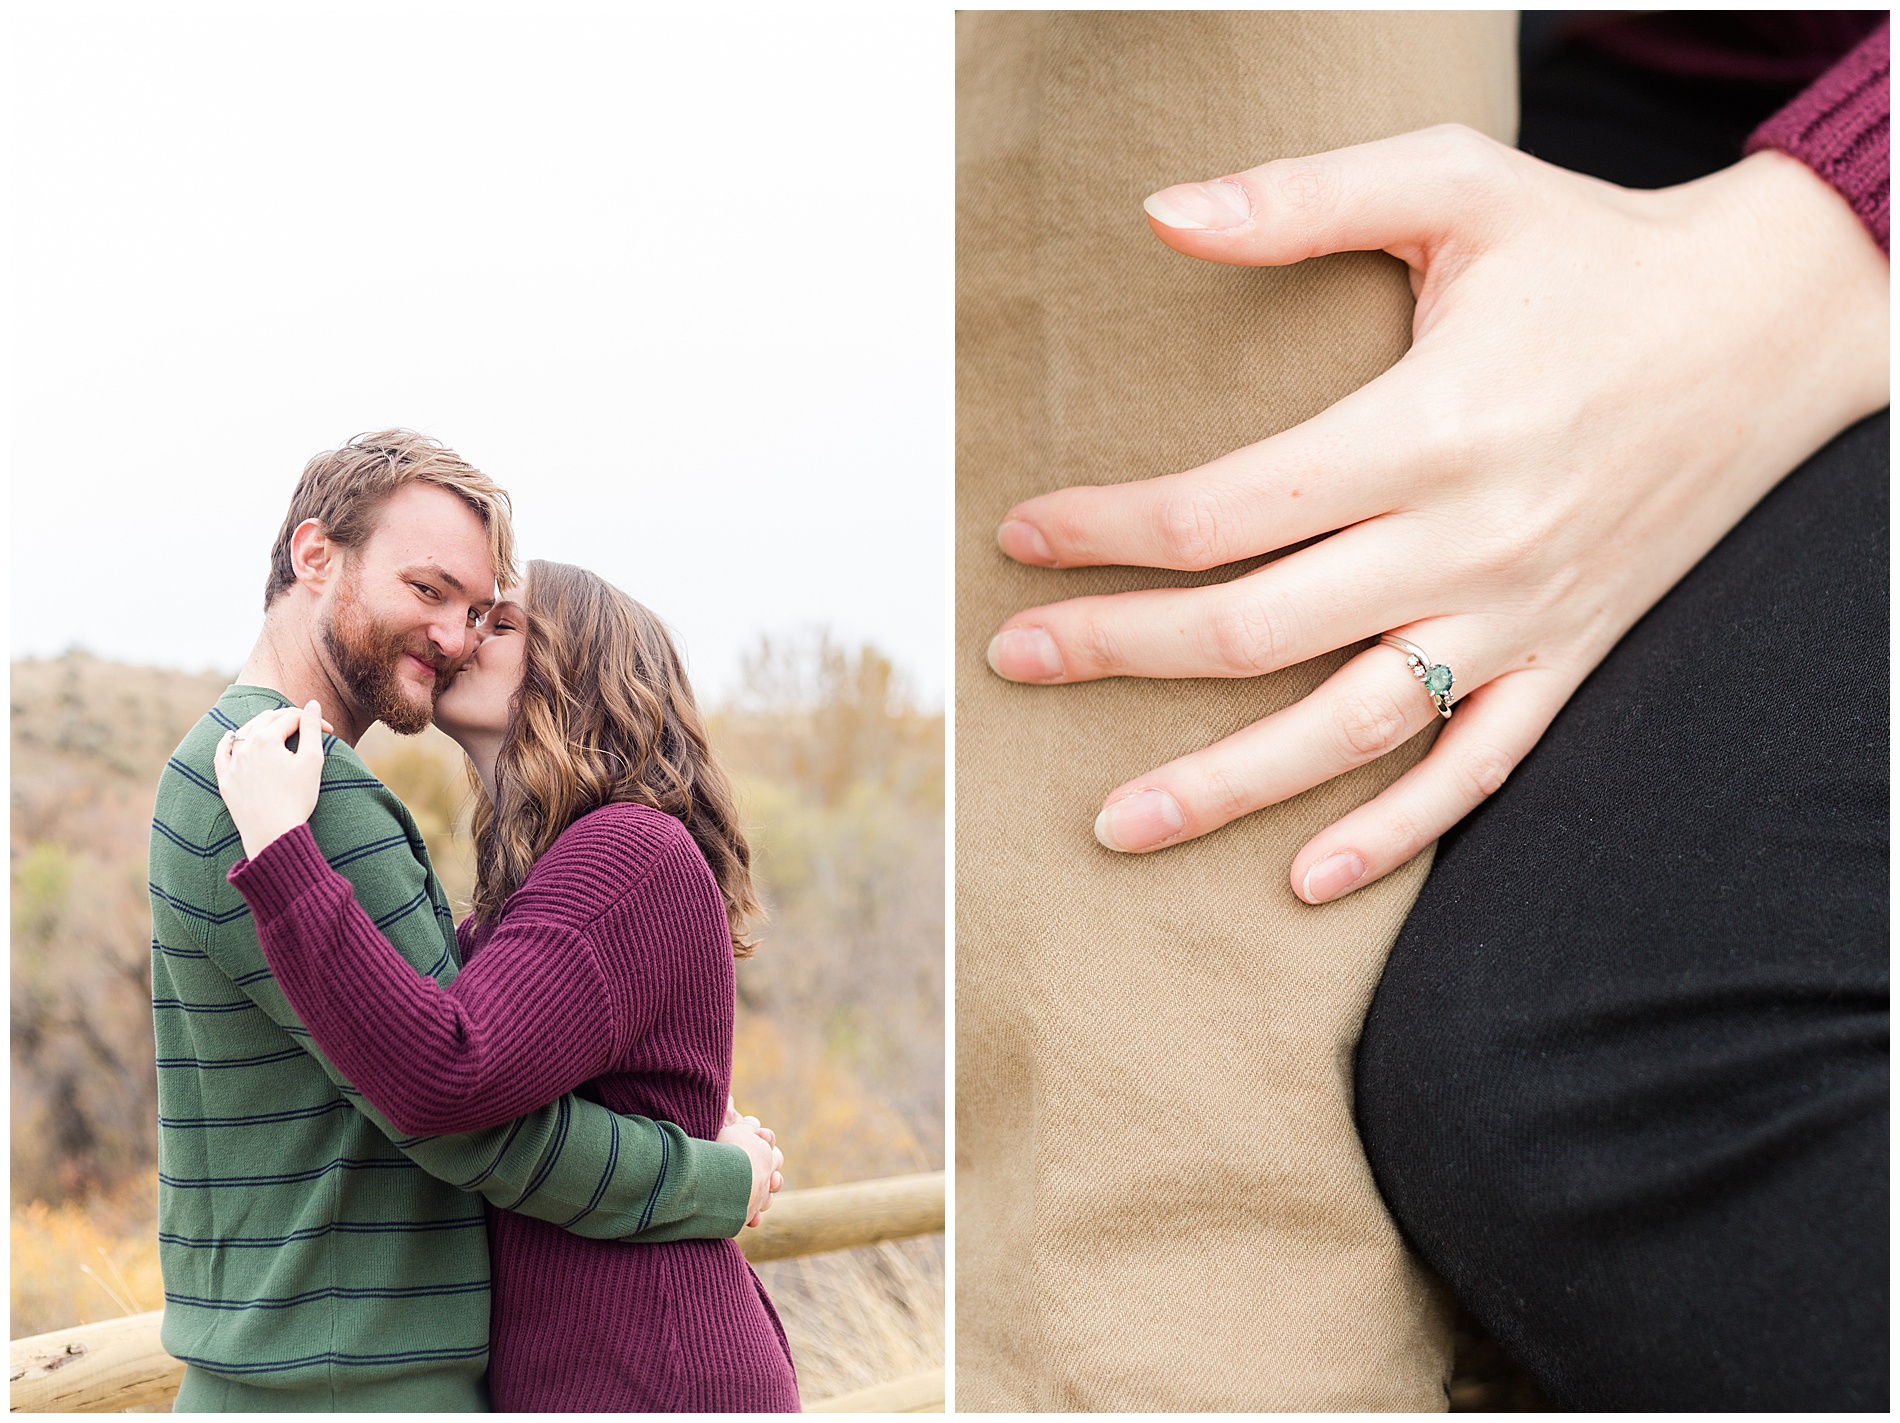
<point>1438,679</point>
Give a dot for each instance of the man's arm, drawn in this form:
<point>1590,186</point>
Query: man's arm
<point>573,1162</point>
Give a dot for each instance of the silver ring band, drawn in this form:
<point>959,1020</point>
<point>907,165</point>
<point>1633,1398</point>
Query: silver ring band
<point>1435,675</point>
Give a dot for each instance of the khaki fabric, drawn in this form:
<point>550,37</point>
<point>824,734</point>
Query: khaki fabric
<point>1161,1201</point>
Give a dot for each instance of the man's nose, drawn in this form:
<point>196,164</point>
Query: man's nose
<point>452,637</point>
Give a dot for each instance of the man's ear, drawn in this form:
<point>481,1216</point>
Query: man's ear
<point>314,559</point>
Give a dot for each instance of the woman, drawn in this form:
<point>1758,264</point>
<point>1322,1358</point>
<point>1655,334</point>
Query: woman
<point>612,896</point>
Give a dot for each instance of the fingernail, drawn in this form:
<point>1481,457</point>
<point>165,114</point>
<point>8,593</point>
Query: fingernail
<point>1200,206</point>
<point>1332,877</point>
<point>1024,543</point>
<point>1140,821</point>
<point>1025,655</point>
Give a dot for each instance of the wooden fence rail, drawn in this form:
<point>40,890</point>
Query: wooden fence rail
<point>119,1366</point>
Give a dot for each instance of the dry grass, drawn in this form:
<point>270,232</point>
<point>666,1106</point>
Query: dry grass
<point>861,1317</point>
<point>85,1259</point>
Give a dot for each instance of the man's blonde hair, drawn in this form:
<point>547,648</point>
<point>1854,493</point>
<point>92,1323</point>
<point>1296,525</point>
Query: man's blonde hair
<point>345,489</point>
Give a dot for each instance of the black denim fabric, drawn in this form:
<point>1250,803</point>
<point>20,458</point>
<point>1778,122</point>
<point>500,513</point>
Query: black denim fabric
<point>1624,1083</point>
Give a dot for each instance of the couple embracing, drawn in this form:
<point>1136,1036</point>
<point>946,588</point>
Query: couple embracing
<point>346,1076</point>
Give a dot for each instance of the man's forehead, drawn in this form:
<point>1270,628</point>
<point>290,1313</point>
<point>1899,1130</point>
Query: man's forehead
<point>426,528</point>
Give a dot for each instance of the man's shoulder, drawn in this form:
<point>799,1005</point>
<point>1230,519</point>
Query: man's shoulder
<point>354,804</point>
<point>192,760</point>
<point>188,784</point>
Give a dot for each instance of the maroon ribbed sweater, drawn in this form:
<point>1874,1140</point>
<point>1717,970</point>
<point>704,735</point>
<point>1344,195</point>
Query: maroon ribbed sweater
<point>1840,127</point>
<point>609,972</point>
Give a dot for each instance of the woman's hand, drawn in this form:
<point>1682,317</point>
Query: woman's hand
<point>761,1145</point>
<point>1602,382</point>
<point>268,788</point>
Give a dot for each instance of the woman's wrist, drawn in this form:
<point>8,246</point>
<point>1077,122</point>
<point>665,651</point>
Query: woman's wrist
<point>1833,277</point>
<point>261,837</point>
<point>281,872</point>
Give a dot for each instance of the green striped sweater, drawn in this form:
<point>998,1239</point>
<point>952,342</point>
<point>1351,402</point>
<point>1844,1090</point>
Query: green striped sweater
<point>314,1257</point>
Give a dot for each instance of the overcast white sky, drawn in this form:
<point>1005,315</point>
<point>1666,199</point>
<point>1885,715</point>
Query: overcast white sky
<point>679,279</point>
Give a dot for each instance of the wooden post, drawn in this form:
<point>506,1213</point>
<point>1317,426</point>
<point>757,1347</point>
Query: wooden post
<point>114,1367</point>
<point>842,1217</point>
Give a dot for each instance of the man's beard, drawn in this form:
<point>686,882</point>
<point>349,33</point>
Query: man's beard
<point>367,655</point>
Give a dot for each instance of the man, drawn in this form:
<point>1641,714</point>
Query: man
<point>314,1258</point>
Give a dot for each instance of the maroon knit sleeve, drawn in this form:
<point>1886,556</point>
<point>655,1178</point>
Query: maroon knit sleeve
<point>529,1020</point>
<point>1838,127</point>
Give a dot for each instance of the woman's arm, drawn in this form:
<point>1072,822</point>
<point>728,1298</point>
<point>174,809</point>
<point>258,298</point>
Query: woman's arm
<point>270,793</point>
<point>528,1021</point>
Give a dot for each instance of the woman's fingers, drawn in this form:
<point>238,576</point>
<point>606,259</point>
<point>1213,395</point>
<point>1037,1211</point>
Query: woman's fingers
<point>267,789</point>
<point>1405,195</point>
<point>274,725</point>
<point>1329,595</point>
<point>1488,735</point>
<point>1367,708</point>
<point>1306,481</point>
<point>261,727</point>
<point>310,734</point>
<point>278,724</point>
<point>1370,706</point>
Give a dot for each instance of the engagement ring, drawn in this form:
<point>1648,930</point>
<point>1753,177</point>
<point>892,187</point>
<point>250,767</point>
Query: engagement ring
<point>1435,675</point>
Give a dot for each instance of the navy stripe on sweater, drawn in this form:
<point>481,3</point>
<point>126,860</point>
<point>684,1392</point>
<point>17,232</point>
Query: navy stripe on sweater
<point>350,783</point>
<point>329,1292</point>
<point>401,911</point>
<point>278,1366</point>
<point>316,1232</point>
<point>613,1157</point>
<point>289,1114</point>
<point>209,1064</point>
<point>474,1182</point>
<point>666,1156</point>
<point>564,1116</point>
<point>184,1007</point>
<point>203,852</point>
<point>186,907</point>
<point>365,850</point>
<point>197,780</point>
<point>341,1163</point>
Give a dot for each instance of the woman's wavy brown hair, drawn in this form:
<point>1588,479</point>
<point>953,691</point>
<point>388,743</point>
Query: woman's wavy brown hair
<point>604,716</point>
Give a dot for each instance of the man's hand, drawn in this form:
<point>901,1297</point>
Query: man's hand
<point>761,1144</point>
<point>268,789</point>
<point>1601,383</point>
